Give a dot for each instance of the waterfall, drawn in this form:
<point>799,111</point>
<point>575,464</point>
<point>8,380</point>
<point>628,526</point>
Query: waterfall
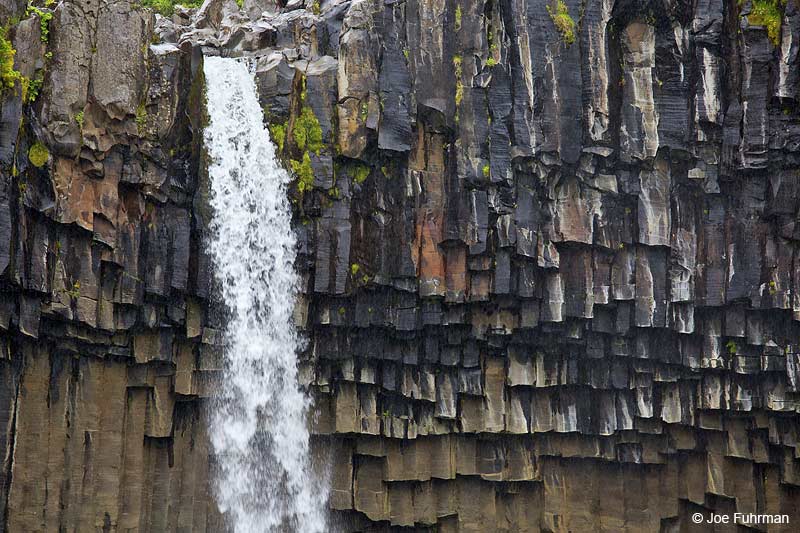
<point>258,424</point>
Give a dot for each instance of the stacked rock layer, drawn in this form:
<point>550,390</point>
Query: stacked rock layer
<point>549,254</point>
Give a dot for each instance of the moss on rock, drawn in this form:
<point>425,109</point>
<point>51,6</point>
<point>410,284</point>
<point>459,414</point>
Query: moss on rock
<point>8,76</point>
<point>307,131</point>
<point>277,133</point>
<point>459,84</point>
<point>361,173</point>
<point>767,13</point>
<point>167,7</point>
<point>304,172</point>
<point>38,154</point>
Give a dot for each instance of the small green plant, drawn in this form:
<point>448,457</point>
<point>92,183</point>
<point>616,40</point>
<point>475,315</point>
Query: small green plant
<point>354,268</point>
<point>314,7</point>
<point>44,21</point>
<point>32,88</point>
<point>307,135</point>
<point>767,13</point>
<point>307,131</point>
<point>360,174</point>
<point>342,311</point>
<point>772,287</point>
<point>278,134</point>
<point>562,21</point>
<point>75,291</point>
<point>304,173</point>
<point>141,118</point>
<point>8,76</point>
<point>491,62</point>
<point>405,53</point>
<point>459,85</point>
<point>732,347</point>
<point>458,18</point>
<point>38,154</point>
<point>486,170</point>
<point>79,119</point>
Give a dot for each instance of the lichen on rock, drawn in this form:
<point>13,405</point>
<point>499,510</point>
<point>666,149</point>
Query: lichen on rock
<point>38,154</point>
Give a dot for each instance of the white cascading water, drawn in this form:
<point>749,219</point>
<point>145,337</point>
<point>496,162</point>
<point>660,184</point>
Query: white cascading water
<point>258,426</point>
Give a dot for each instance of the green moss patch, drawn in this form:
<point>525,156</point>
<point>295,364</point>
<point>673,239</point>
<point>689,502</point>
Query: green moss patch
<point>459,85</point>
<point>141,118</point>
<point>8,76</point>
<point>360,174</point>
<point>307,135</point>
<point>277,133</point>
<point>304,173</point>
<point>167,7</point>
<point>38,154</point>
<point>767,13</point>
<point>307,131</point>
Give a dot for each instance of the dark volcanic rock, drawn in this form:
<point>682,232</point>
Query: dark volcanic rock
<point>549,272</point>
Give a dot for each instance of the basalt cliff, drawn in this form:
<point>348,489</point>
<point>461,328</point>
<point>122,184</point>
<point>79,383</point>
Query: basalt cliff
<point>549,250</point>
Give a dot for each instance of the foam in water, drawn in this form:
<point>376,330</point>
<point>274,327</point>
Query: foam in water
<point>258,425</point>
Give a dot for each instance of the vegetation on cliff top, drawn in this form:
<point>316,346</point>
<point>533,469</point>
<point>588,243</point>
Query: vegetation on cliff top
<point>44,20</point>
<point>767,13</point>
<point>167,7</point>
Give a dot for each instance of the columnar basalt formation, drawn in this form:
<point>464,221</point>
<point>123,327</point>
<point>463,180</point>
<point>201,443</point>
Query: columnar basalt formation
<point>549,255</point>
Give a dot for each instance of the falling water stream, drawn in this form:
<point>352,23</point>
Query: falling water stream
<point>258,425</point>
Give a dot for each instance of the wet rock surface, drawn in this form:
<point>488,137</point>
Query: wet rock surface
<point>549,282</point>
